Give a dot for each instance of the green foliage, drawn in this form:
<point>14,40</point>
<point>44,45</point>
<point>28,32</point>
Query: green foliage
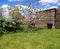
<point>23,27</point>
<point>2,25</point>
<point>6,26</point>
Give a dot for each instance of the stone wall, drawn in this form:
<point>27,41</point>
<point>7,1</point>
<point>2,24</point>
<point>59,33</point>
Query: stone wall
<point>58,19</point>
<point>45,17</point>
<point>0,12</point>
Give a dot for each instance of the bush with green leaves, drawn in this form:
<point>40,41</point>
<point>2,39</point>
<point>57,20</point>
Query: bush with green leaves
<point>2,24</point>
<point>6,26</point>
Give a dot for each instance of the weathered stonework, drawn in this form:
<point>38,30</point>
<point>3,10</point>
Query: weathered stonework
<point>0,12</point>
<point>45,17</point>
<point>57,19</point>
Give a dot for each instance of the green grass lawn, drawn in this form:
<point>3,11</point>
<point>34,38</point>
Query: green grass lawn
<point>41,39</point>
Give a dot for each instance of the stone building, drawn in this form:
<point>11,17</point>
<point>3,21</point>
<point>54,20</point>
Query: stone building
<point>0,12</point>
<point>45,17</point>
<point>58,19</point>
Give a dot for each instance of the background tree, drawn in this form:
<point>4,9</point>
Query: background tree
<point>16,15</point>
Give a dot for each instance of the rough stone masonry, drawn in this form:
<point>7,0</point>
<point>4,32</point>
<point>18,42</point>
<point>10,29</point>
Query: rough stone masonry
<point>45,17</point>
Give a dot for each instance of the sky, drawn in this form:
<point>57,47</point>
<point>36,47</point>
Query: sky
<point>43,4</point>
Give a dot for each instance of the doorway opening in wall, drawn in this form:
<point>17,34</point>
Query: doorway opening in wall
<point>49,25</point>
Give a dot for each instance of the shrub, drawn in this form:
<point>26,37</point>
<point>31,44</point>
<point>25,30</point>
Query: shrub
<point>8,26</point>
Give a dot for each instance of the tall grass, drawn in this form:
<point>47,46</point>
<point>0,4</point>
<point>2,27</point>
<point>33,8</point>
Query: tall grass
<point>40,39</point>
